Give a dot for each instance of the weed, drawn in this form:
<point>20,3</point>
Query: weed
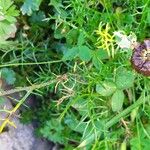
<point>102,103</point>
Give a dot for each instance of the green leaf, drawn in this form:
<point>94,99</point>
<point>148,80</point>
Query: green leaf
<point>87,141</point>
<point>97,57</point>
<point>53,130</point>
<point>81,39</point>
<point>37,18</point>
<point>8,75</point>
<point>81,106</point>
<point>117,100</point>
<point>29,6</point>
<point>72,37</point>
<point>148,17</point>
<point>124,78</point>
<point>106,88</point>
<point>7,30</point>
<point>101,54</point>
<point>71,53</point>
<point>8,14</point>
<point>140,140</point>
<point>11,13</point>
<point>89,135</point>
<point>61,31</point>
<point>128,18</point>
<point>85,54</point>
<point>96,62</point>
<point>74,124</point>
<point>57,4</point>
<point>2,100</point>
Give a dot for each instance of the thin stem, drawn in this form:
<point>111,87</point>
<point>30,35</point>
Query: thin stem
<point>29,90</point>
<point>32,87</point>
<point>122,114</point>
<point>115,119</point>
<point>32,63</point>
<point>7,120</point>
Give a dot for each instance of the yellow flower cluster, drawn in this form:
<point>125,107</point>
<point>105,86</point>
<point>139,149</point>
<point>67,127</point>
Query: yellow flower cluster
<point>105,39</point>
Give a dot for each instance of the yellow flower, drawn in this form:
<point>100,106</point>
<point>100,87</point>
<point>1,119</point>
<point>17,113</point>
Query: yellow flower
<point>105,39</point>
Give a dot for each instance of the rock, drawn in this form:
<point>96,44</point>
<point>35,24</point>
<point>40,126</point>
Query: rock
<point>22,137</point>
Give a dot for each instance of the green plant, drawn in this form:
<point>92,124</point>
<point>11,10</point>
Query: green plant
<point>103,102</point>
<point>29,6</point>
<point>8,14</point>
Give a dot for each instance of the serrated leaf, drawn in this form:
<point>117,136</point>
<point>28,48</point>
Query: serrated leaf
<point>7,30</point>
<point>117,100</point>
<point>106,88</point>
<point>8,75</point>
<point>124,78</point>
<point>37,18</point>
<point>8,9</point>
<point>29,6</point>
<point>85,54</point>
<point>8,16</point>
<point>70,53</point>
<point>5,4</point>
<point>52,130</point>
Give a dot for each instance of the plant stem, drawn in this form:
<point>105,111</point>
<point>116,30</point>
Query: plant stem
<point>7,120</point>
<point>115,119</point>
<point>32,87</point>
<point>32,63</point>
<point>125,112</point>
<point>29,90</point>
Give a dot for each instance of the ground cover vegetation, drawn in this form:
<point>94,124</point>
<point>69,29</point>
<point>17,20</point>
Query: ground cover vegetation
<point>74,56</point>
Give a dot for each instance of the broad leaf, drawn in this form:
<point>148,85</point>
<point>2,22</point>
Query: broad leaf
<point>81,39</point>
<point>124,78</point>
<point>71,53</point>
<point>117,100</point>
<point>8,75</point>
<point>75,125</point>
<point>106,88</point>
<point>7,30</point>
<point>85,54</point>
<point>8,13</point>
<point>101,54</point>
<point>72,37</point>
<point>96,62</point>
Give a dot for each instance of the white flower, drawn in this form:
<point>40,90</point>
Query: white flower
<point>124,41</point>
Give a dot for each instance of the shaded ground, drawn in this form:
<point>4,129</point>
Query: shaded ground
<point>22,137</point>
